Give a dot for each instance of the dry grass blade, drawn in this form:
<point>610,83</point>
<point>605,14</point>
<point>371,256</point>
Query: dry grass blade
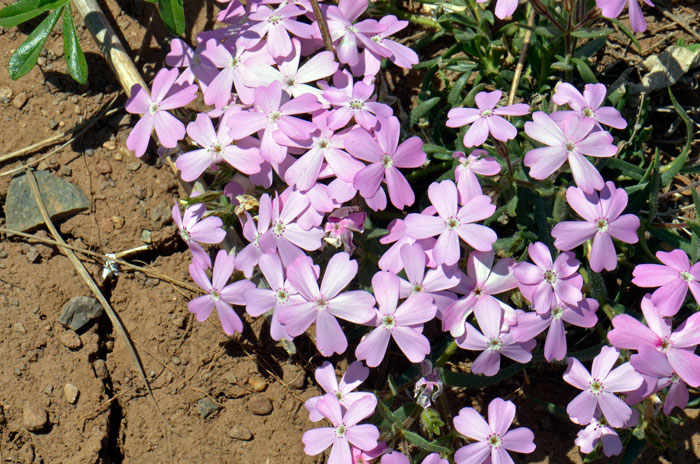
<point>523,55</point>
<point>113,317</point>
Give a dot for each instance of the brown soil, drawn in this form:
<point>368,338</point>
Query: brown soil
<point>114,420</point>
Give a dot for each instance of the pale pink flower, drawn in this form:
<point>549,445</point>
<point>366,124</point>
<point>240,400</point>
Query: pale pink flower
<point>587,105</point>
<point>254,232</point>
<point>434,282</point>
<point>599,431</point>
<point>341,225</point>
<point>493,437</point>
<point>603,221</point>
<point>219,295</point>
<point>276,25</point>
<point>342,26</point>
<point>154,110</point>
<point>353,101</point>
<point>324,304</point>
<point>569,140</point>
<point>195,230</point>
<point>656,369</point>
<point>325,377</point>
<point>453,224</point>
<point>469,166</point>
<point>613,8</point>
<point>486,119</point>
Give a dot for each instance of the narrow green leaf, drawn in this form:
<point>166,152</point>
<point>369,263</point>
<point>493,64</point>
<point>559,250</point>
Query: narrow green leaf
<point>669,171</point>
<point>584,70</point>
<point>455,96</point>
<point>75,59</point>
<point>421,442</point>
<point>592,34</point>
<point>423,108</point>
<point>24,58</point>
<point>630,170</point>
<point>589,48</point>
<point>19,12</point>
<point>172,13</point>
<point>654,190</point>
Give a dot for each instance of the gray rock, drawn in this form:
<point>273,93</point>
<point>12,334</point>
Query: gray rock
<point>70,393</point>
<point>240,432</point>
<point>79,311</point>
<point>61,198</point>
<point>207,407</point>
<point>259,405</point>
<point>34,417</point>
<point>133,166</point>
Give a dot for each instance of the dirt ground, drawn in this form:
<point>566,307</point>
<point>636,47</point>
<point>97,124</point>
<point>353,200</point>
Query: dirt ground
<point>258,390</point>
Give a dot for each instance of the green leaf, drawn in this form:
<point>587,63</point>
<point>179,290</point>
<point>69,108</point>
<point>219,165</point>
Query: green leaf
<point>423,108</point>
<point>24,58</point>
<point>172,13</point>
<point>75,59</point>
<point>589,48</point>
<point>19,12</point>
<point>630,170</point>
<point>584,70</point>
<point>633,451</point>
<point>669,171</point>
<point>455,96</point>
<point>588,34</point>
<point>421,442</point>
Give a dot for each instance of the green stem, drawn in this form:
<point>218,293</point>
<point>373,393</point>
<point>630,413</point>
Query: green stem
<point>415,19</point>
<point>447,354</point>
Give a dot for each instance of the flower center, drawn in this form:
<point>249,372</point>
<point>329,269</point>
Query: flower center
<point>153,108</point>
<point>687,276</point>
<point>588,112</point>
<point>184,233</point>
<point>356,104</point>
<point>216,148</point>
<point>281,295</point>
<point>595,387</point>
<point>274,116</point>
<point>278,228</point>
<point>340,431</point>
<point>495,441</point>
<point>215,295</point>
<point>486,113</point>
<point>665,345</point>
<point>550,276</point>
<point>465,162</point>
<point>478,291</point>
<point>275,19</point>
<point>352,29</point>
<point>601,225</point>
<point>570,147</point>
<point>494,344</point>
<point>323,143</point>
<point>233,63</point>
<point>339,395</point>
<point>290,81</point>
<point>387,161</point>
<point>377,38</point>
<point>557,312</point>
<point>321,304</point>
<point>388,322</point>
<point>417,288</point>
<point>452,223</point>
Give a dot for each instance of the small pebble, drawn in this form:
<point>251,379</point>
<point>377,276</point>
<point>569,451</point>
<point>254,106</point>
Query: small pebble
<point>100,369</point>
<point>70,393</point>
<point>118,222</point>
<point>240,432</point>
<point>32,255</point>
<point>134,166</point>
<point>5,94</point>
<point>146,236</point>
<point>175,360</point>
<point>14,301</point>
<point>117,156</point>
<point>20,100</point>
<point>53,124</point>
<point>3,254</point>
<point>257,383</point>
<point>179,322</point>
<point>19,328</point>
<point>65,171</point>
<point>71,340</point>
<point>109,145</point>
<point>48,389</point>
<point>89,152</point>
<point>207,407</point>
<point>103,167</point>
<point>259,405</point>
<point>34,417</point>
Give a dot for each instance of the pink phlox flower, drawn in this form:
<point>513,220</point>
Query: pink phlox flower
<point>486,119</point>
<point>613,8</point>
<point>289,237</point>
<point>477,162</point>
<point>453,223</point>
<point>341,225</point>
<point>353,101</point>
<point>599,431</point>
<point>325,377</point>
<point>276,24</point>
<point>219,295</point>
<point>653,365</point>
<point>434,282</point>
<point>345,430</point>
<point>165,95</point>
<point>678,346</point>
<point>395,457</point>
<point>570,140</point>
<point>366,457</point>
<point>403,323</point>
<point>323,305</point>
<point>342,27</point>
<point>544,280</point>
<point>493,437</point>
<point>232,13</point>
<point>673,278</point>
<point>434,458</point>
<point>483,280</point>
<point>602,221</point>
<point>234,64</point>
<point>274,115</point>
<point>294,79</point>
<point>493,341</point>
<point>216,147</point>
<point>326,147</point>
<point>385,156</point>
<point>531,324</point>
<point>281,293</point>
<point>195,229</point>
<point>429,387</point>
<point>254,230</point>
<point>400,54</point>
<point>320,204</point>
<point>586,105</point>
<point>598,387</point>
<point>391,259</point>
<point>196,66</point>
